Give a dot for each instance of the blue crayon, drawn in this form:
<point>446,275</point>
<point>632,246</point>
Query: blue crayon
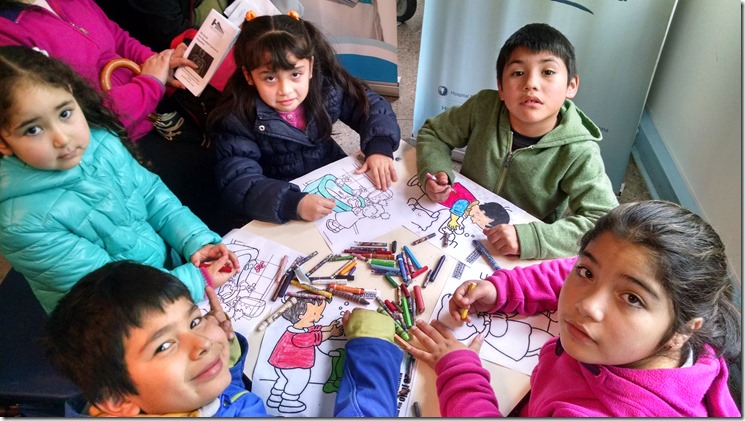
<point>402,268</point>
<point>485,254</point>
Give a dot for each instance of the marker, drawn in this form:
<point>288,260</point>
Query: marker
<point>464,311</point>
<point>351,290</point>
<point>224,269</point>
<point>351,297</point>
<point>423,239</point>
<point>419,299</point>
<point>393,247</point>
<point>281,269</point>
<point>277,314</point>
<point>413,259</point>
<point>433,275</point>
<point>311,289</point>
<point>485,254</point>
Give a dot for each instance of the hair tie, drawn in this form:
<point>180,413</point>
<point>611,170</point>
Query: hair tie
<point>294,14</point>
<point>250,15</point>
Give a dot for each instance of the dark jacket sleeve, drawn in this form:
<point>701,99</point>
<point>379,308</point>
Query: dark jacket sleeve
<point>244,188</point>
<point>379,132</point>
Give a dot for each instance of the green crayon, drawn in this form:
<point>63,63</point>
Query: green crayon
<point>399,330</point>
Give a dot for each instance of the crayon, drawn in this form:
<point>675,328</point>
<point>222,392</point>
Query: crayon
<point>485,254</point>
<point>393,247</point>
<point>282,286</point>
<point>384,305</point>
<point>277,314</point>
<point>415,262</point>
<point>437,270</point>
<point>383,268</point>
<point>311,289</point>
<point>371,243</point>
<point>351,290</point>
<point>417,410</point>
<point>318,266</point>
<point>224,269</point>
<point>281,269</point>
<point>347,266</point>
<point>329,281</point>
<point>464,311</point>
<point>390,280</point>
<point>306,258</point>
<point>419,272</point>
<point>351,297</point>
<point>360,257</point>
<point>304,294</point>
<point>419,299</point>
<point>392,307</point>
<point>423,239</point>
<point>433,178</point>
<point>351,272</point>
<point>405,307</point>
<point>385,272</point>
<point>301,276</point>
<point>339,258</point>
<point>445,239</point>
<point>320,278</point>
<point>402,268</point>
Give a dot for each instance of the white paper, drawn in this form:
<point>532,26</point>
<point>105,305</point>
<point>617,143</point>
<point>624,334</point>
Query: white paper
<point>208,50</point>
<point>236,12</point>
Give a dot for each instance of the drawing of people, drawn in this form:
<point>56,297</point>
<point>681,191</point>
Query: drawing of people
<point>489,214</point>
<point>423,216</point>
<point>505,333</point>
<point>294,355</point>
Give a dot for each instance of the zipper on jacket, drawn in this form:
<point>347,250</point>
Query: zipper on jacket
<point>506,164</point>
<point>79,28</point>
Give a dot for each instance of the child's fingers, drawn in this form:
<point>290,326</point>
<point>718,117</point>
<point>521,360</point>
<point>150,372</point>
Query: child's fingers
<point>426,334</point>
<point>443,330</point>
<point>345,318</point>
<point>419,354</point>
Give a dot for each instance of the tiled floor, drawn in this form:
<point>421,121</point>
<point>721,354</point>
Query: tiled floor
<point>409,35</point>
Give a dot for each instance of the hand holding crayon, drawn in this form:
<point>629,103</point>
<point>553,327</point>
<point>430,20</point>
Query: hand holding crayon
<point>472,297</point>
<point>437,187</point>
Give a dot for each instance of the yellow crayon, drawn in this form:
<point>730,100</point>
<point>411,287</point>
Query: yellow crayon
<point>311,289</point>
<point>464,312</point>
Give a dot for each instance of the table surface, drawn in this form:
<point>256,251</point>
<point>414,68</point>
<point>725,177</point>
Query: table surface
<point>509,385</point>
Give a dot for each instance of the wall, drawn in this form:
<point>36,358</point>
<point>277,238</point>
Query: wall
<point>695,105</point>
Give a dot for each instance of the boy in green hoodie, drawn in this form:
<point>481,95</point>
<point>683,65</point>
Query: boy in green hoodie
<point>528,143</point>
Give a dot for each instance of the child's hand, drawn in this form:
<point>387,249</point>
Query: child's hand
<point>435,342</point>
<point>439,189</point>
<point>336,328</point>
<point>178,60</point>
<point>504,238</point>
<point>478,300</point>
<point>158,66</point>
<point>216,313</point>
<point>313,206</point>
<point>380,169</point>
<point>216,257</point>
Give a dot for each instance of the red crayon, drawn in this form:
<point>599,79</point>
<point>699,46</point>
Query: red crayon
<point>223,269</point>
<point>419,272</point>
<point>419,299</point>
<point>405,291</point>
<point>390,306</point>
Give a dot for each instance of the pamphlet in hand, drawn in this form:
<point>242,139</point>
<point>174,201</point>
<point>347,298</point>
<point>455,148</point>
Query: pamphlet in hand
<point>208,49</point>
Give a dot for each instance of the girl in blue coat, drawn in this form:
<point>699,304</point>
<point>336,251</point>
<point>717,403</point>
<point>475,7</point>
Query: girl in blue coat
<point>274,121</point>
<point>72,197</point>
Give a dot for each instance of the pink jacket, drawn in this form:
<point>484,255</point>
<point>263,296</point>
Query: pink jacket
<point>83,37</point>
<point>564,387</point>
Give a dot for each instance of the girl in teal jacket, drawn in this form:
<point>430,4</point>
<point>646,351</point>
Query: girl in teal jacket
<point>72,197</point>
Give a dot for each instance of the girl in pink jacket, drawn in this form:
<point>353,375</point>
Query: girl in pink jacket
<point>647,324</point>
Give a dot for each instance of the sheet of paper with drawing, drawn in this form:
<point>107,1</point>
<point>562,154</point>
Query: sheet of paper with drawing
<point>361,212</point>
<point>246,297</point>
<point>300,362</point>
<point>510,340</point>
<point>462,217</point>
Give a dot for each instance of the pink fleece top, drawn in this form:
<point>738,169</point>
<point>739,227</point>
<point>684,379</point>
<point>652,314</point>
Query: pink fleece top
<point>83,37</point>
<point>564,387</point>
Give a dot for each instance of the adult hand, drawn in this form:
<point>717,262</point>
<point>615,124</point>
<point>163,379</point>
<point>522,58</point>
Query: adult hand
<point>313,206</point>
<point>504,238</point>
<point>380,169</point>
<point>435,341</point>
<point>178,60</point>
<point>478,300</point>
<point>438,189</point>
<point>217,314</point>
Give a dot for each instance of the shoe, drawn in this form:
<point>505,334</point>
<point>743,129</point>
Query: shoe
<point>168,124</point>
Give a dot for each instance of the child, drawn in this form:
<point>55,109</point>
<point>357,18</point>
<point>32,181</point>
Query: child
<point>646,322</point>
<point>135,343</point>
<point>72,198</point>
<point>528,143</point>
<point>79,33</point>
<point>273,123</point>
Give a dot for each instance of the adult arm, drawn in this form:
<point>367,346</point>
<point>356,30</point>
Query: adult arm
<point>590,197</point>
<point>244,188</point>
<point>531,289</point>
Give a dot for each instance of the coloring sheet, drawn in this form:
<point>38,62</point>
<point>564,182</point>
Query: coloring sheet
<point>510,340</point>
<point>246,296</point>
<point>298,372</point>
<point>362,211</point>
<point>462,216</point>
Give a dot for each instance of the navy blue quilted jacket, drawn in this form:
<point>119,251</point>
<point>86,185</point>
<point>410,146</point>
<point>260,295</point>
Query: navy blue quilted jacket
<point>256,160</point>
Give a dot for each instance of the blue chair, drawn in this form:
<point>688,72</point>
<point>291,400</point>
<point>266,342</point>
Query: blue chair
<point>28,383</point>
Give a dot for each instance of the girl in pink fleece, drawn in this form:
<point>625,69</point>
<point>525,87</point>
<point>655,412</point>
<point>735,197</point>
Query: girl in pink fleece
<point>646,321</point>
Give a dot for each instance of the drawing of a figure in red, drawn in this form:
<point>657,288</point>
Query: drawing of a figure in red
<point>294,355</point>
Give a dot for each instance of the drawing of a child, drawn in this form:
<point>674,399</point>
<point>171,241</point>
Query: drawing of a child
<point>294,355</point>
